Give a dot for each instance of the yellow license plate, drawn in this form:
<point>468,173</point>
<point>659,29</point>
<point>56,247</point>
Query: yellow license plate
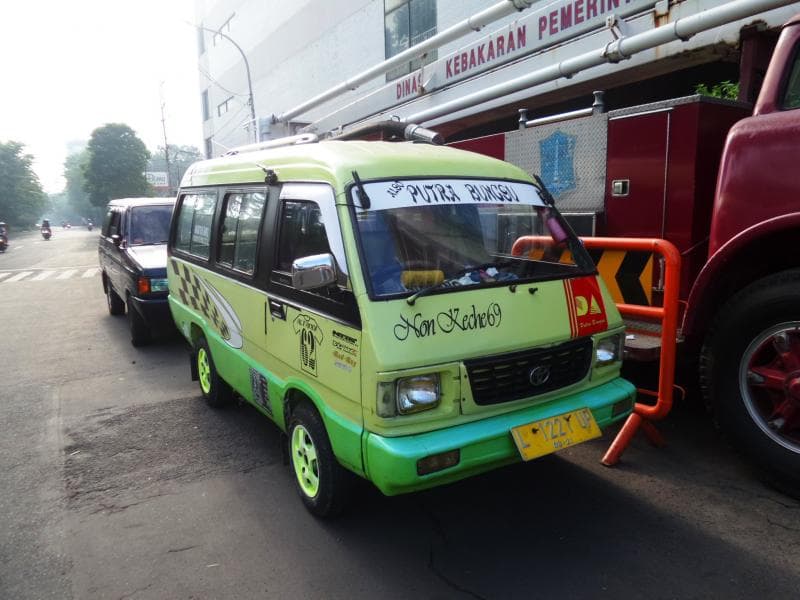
<point>555,433</point>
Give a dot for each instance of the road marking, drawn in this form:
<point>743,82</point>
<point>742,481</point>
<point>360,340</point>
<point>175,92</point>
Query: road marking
<point>41,276</point>
<point>67,274</point>
<point>18,276</point>
<point>91,272</point>
<point>2,275</point>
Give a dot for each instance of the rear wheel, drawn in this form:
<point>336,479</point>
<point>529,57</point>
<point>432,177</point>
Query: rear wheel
<point>323,484</point>
<point>116,306</point>
<point>750,372</point>
<point>215,391</point>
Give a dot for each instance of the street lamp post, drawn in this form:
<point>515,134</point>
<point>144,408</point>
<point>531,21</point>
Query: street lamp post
<point>249,80</point>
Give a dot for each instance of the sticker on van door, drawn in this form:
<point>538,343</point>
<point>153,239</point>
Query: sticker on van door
<point>194,291</point>
<point>310,337</point>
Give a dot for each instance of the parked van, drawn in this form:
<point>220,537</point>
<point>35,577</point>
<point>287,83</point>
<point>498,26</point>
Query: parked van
<point>365,297</point>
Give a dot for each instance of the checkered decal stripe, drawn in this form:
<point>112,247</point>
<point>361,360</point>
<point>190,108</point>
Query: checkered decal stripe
<point>193,293</point>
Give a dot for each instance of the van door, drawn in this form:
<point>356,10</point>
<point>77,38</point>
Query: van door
<point>315,335</point>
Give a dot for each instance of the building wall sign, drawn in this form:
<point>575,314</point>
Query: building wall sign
<point>536,31</point>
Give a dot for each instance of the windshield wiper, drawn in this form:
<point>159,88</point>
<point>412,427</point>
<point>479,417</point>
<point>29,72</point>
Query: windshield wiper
<point>425,291</point>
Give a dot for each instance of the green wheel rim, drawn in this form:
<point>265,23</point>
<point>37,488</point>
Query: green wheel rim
<point>204,370</point>
<point>304,458</point>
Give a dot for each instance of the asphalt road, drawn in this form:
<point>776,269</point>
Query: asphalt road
<point>118,482</point>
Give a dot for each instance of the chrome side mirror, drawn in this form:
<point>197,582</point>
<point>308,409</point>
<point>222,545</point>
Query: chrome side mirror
<point>313,272</point>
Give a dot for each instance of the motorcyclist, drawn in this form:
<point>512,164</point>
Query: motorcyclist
<point>3,236</point>
<point>45,229</point>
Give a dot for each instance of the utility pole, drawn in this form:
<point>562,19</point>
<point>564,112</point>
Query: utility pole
<point>166,146</point>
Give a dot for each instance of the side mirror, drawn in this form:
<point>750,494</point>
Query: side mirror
<point>313,272</point>
<point>117,239</point>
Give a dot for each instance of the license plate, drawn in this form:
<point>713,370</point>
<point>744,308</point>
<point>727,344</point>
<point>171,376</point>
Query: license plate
<point>555,433</point>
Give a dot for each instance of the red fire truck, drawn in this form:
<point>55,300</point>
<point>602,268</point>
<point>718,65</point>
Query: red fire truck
<point>722,184</point>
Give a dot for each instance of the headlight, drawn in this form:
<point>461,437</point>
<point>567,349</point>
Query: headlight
<point>609,350</point>
<point>408,395</point>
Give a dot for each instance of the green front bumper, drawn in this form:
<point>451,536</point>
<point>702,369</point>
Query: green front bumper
<point>484,445</point>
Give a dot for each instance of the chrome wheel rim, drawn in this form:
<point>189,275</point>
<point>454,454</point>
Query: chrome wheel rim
<point>769,380</point>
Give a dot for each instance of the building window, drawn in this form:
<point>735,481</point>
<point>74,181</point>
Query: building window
<point>224,107</point>
<point>407,23</point>
<point>206,109</point>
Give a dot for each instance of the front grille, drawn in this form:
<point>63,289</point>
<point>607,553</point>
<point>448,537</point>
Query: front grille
<point>508,377</point>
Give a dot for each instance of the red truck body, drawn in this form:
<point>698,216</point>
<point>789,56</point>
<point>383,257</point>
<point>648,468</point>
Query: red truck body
<point>722,183</point>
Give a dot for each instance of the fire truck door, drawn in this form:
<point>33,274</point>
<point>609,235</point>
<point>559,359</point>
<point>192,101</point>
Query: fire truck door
<point>636,174</point>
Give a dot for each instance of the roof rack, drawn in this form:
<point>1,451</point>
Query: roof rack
<point>392,131</point>
<point>292,140</point>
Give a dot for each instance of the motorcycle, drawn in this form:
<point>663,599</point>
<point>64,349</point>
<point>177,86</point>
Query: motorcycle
<point>89,225</point>
<point>3,243</point>
<point>46,233</point>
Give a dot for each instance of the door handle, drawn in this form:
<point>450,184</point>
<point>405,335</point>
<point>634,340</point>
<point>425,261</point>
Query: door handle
<point>277,309</point>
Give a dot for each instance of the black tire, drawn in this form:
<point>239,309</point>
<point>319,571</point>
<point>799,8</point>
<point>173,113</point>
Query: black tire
<point>140,331</point>
<point>322,483</point>
<point>215,391</point>
<point>758,333</point>
<point>116,306</point>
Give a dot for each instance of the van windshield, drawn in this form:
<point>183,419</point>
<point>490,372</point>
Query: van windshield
<point>452,234</point>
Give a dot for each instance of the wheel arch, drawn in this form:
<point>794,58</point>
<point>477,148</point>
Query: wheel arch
<point>758,252</point>
<point>345,435</point>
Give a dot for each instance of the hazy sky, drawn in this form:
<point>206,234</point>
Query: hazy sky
<point>70,66</point>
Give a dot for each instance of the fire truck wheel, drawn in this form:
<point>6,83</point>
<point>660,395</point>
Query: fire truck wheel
<point>323,484</point>
<point>750,375</point>
<point>215,391</point>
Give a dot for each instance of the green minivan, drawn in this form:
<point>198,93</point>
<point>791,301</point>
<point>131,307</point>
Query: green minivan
<point>368,297</point>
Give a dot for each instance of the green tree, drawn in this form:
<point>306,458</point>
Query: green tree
<point>77,201</point>
<point>115,167</point>
<point>22,201</point>
<point>724,89</point>
<point>180,159</point>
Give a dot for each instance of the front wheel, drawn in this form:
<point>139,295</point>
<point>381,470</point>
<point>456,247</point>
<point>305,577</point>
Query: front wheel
<point>750,373</point>
<point>140,331</point>
<point>116,306</point>
<point>323,484</point>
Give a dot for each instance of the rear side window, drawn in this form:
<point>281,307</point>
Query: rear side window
<point>240,226</point>
<point>194,223</point>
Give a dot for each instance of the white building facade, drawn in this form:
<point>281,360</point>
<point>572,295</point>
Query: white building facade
<point>262,60</point>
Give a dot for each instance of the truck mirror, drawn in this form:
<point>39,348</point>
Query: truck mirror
<point>313,272</point>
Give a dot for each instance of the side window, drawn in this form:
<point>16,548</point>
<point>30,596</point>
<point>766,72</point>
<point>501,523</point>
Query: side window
<point>302,233</point>
<point>791,97</point>
<point>239,232</point>
<point>194,223</point>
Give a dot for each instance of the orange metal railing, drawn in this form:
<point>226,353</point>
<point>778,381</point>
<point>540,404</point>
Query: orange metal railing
<point>643,414</point>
